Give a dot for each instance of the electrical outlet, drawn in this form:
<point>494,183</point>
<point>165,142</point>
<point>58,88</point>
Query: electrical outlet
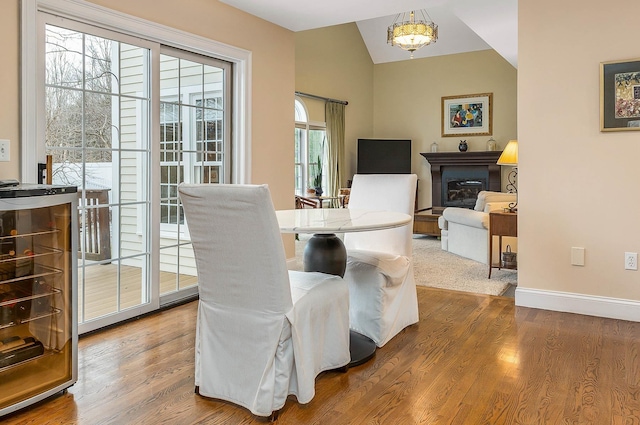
<point>4,151</point>
<point>631,261</point>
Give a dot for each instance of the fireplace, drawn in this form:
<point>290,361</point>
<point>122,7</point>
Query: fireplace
<point>460,185</point>
<point>457,177</point>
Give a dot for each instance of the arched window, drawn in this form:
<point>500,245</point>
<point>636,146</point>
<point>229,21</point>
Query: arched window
<point>310,151</point>
<point>301,111</point>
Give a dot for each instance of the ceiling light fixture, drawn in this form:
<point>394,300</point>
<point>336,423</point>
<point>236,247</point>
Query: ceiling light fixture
<point>411,34</point>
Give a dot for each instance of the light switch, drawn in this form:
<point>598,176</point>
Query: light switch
<point>577,256</point>
<point>4,151</point>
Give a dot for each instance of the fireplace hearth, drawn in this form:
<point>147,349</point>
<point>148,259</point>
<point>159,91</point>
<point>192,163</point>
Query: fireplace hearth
<point>457,177</point>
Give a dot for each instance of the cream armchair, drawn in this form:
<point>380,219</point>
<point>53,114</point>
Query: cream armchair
<point>465,232</point>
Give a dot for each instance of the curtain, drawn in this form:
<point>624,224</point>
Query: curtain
<point>334,117</point>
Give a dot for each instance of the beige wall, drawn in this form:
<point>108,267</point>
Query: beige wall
<point>334,62</point>
<point>10,85</point>
<point>401,99</point>
<point>578,186</point>
<point>407,103</point>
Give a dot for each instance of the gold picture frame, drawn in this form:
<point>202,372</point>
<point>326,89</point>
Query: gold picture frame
<point>467,115</point>
<point>620,95</point>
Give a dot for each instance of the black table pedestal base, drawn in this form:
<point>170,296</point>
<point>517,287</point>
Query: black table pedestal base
<point>362,348</point>
<point>326,253</point>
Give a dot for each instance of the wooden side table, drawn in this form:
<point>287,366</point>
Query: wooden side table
<point>425,223</point>
<point>501,224</point>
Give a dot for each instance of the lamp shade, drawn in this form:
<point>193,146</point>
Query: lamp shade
<point>509,155</point>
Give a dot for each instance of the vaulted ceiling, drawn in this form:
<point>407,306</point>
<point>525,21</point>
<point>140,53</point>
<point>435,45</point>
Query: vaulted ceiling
<point>463,25</point>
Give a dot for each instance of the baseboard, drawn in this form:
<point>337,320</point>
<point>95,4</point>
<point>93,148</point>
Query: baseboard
<point>590,305</point>
<point>291,263</point>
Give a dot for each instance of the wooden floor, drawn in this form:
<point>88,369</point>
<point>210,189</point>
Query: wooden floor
<point>472,359</point>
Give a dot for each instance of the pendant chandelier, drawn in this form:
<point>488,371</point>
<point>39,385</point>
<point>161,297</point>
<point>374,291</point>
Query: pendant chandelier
<point>411,34</point>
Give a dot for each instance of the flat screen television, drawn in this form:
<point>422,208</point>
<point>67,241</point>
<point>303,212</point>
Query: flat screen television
<point>384,156</point>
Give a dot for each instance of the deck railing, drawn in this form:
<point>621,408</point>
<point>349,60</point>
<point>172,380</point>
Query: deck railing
<point>96,232</point>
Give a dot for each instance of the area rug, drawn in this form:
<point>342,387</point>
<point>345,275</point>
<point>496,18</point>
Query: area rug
<point>441,269</point>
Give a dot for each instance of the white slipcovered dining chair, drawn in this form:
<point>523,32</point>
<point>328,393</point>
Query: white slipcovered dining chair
<point>382,289</point>
<point>262,332</point>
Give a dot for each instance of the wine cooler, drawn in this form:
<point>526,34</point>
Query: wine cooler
<point>38,299</point>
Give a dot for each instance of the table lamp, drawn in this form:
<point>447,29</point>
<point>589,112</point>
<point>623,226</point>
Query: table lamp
<point>509,156</point>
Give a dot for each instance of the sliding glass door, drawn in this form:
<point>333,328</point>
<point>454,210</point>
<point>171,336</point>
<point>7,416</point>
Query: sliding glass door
<point>98,122</point>
<point>127,120</point>
<point>194,148</point>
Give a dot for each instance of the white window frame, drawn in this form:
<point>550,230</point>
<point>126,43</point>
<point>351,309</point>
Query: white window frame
<point>306,126</point>
<point>185,97</point>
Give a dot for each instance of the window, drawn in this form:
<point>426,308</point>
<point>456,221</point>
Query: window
<point>97,104</point>
<point>170,159</point>
<point>194,135</point>
<point>209,140</point>
<point>195,95</point>
<point>310,151</point>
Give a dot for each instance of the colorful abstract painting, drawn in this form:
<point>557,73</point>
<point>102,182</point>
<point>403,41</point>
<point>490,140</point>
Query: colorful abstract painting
<point>467,115</point>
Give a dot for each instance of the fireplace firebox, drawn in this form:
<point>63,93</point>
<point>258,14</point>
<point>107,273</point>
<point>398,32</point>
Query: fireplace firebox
<point>457,177</point>
<point>460,185</point>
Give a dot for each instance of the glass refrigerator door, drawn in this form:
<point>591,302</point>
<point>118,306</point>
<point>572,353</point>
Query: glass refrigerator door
<point>38,335</point>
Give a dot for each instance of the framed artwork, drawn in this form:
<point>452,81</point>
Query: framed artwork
<point>620,95</point>
<point>467,115</point>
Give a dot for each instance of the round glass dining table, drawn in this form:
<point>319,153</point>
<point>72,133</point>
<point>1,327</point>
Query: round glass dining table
<point>326,253</point>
